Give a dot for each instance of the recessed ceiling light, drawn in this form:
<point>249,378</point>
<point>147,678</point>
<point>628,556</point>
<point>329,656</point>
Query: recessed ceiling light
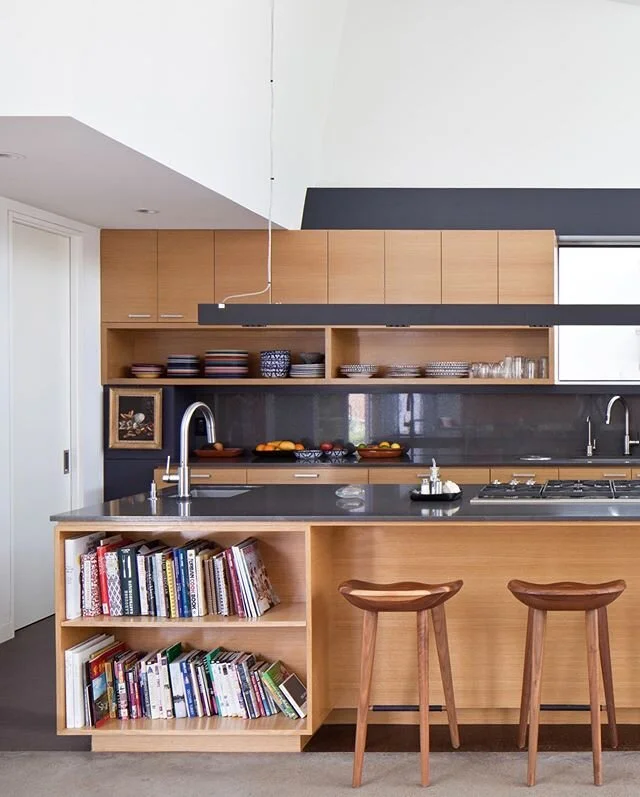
<point>146,210</point>
<point>12,156</point>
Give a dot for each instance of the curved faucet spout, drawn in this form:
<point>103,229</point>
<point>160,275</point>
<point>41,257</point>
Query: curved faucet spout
<point>612,401</point>
<point>628,442</point>
<point>184,485</point>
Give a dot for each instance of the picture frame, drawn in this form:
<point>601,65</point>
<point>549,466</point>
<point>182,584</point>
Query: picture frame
<point>135,418</point>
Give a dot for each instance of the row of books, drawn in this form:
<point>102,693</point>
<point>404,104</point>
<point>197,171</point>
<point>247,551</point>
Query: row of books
<point>115,576</point>
<point>105,679</point>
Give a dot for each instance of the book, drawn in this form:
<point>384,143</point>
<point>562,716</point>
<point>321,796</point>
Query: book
<point>91,605</point>
<point>221,584</point>
<point>97,679</point>
<point>236,594</point>
<point>165,658</point>
<point>262,592</point>
<point>170,570</point>
<point>74,547</point>
<point>129,577</point>
<point>114,586</point>
<point>74,659</point>
<point>143,555</point>
<point>177,686</point>
<point>272,677</point>
<point>296,693</point>
<point>105,546</point>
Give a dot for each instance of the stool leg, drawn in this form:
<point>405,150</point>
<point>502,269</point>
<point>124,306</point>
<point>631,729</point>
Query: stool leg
<point>369,628</point>
<point>442,646</point>
<point>537,647</point>
<point>592,669</point>
<point>607,674</point>
<point>525,702</point>
<point>423,692</point>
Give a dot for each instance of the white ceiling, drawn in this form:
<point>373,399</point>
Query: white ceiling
<point>75,171</point>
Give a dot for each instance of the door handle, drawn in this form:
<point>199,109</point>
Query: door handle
<point>65,461</point>
<point>306,475</point>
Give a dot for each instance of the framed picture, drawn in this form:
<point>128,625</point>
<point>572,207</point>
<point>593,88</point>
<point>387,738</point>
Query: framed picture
<point>135,418</point>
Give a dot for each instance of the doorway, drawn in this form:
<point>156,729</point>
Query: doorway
<point>40,396</point>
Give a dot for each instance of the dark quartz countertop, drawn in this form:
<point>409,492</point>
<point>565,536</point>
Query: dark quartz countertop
<point>318,503</point>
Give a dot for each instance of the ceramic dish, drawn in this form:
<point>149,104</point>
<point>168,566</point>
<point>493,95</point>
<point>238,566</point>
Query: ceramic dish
<point>308,454</point>
<point>336,453</point>
<point>416,495</point>
<point>213,454</point>
<point>373,452</point>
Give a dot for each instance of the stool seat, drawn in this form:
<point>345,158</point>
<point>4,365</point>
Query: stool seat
<point>566,596</point>
<point>401,596</point>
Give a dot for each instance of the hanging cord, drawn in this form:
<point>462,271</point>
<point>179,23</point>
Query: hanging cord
<point>267,288</point>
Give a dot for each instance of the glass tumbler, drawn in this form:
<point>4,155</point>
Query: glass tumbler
<point>543,368</point>
<point>530,370</point>
<point>516,368</point>
<point>507,366</point>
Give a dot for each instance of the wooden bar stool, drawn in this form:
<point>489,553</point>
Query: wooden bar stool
<point>567,596</point>
<point>405,596</point>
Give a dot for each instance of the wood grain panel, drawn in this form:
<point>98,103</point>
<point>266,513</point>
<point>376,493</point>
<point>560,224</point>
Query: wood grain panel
<point>304,474</point>
<point>241,265</point>
<point>299,267</point>
<point>412,267</point>
<point>356,266</point>
<point>526,260</point>
<point>204,475</point>
<point>185,273</point>
<point>595,472</point>
<point>524,472</point>
<point>380,474</point>
<point>129,275</point>
<point>469,267</point>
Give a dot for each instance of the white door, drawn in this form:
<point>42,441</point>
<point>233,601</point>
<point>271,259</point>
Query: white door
<point>40,415</point>
<point>599,275</point>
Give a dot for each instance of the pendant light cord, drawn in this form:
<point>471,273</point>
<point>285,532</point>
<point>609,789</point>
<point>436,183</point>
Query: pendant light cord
<point>267,288</point>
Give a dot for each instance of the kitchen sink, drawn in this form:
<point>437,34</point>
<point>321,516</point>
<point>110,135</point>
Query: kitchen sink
<point>535,458</point>
<point>217,492</point>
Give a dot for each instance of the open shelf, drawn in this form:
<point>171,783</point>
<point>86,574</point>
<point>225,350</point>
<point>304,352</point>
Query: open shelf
<point>284,615</point>
<point>278,724</point>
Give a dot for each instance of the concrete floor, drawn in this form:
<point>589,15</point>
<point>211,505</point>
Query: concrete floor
<point>289,775</point>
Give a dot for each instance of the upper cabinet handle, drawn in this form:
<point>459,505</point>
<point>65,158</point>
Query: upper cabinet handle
<point>306,475</point>
<point>139,315</point>
<point>171,315</point>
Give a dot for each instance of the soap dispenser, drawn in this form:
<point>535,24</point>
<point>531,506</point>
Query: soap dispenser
<point>435,485</point>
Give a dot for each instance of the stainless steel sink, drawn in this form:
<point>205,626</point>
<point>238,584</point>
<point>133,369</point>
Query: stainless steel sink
<point>535,458</point>
<point>217,492</point>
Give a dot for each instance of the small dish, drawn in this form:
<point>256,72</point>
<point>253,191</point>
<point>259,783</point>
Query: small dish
<point>350,491</point>
<point>312,357</point>
<point>308,454</point>
<point>374,452</point>
<point>336,453</point>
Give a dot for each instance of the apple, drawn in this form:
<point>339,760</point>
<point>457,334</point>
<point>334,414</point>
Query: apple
<point>326,446</point>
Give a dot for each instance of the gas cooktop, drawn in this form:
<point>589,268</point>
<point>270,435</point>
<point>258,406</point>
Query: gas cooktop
<point>569,491</point>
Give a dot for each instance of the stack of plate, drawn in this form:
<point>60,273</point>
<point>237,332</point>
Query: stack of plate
<point>359,370</point>
<point>447,370</point>
<point>183,365</point>
<point>146,370</point>
<point>403,371</point>
<point>226,363</point>
<point>307,371</point>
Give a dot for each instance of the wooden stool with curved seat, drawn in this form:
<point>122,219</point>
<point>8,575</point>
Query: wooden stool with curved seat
<point>567,596</point>
<point>405,596</point>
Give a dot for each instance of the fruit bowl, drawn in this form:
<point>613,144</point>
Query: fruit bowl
<point>336,453</point>
<point>375,452</point>
<point>308,454</point>
<point>275,454</point>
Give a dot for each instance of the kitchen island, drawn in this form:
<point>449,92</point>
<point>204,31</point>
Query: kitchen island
<point>312,540</point>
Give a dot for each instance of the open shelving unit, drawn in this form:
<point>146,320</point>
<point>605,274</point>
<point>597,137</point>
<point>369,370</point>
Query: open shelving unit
<point>124,344</point>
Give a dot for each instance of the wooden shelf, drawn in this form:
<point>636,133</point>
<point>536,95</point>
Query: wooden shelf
<point>284,615</point>
<point>229,726</point>
<point>332,382</point>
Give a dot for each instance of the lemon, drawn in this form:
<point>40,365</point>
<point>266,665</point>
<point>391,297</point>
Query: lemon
<point>384,444</point>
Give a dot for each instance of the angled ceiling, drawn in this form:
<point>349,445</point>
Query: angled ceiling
<point>73,170</point>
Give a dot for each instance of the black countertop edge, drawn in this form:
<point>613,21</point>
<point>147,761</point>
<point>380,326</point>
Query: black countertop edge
<point>318,504</point>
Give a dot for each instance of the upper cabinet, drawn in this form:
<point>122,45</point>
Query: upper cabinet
<point>356,266</point>
<point>469,267</point>
<point>185,273</point>
<point>412,267</point>
<point>129,275</point>
<point>299,267</point>
<point>241,266</point>
<point>526,263</point>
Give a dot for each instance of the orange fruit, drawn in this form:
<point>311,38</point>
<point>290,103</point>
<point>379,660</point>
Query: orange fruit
<point>299,447</point>
<point>260,447</point>
<point>268,448</point>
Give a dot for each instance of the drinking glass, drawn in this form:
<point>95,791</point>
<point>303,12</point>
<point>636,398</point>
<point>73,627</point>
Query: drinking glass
<point>543,368</point>
<point>508,367</point>
<point>516,368</point>
<point>530,369</point>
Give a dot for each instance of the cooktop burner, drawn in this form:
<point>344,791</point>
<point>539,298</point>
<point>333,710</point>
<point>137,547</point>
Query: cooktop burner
<point>568,490</point>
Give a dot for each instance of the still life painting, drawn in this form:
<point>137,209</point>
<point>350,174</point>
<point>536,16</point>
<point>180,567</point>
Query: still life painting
<point>135,418</point>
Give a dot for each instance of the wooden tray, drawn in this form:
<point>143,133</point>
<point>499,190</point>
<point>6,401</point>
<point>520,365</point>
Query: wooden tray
<point>380,453</point>
<point>211,452</point>
<point>416,495</point>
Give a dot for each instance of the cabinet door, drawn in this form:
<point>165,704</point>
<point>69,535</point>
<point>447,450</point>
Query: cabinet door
<point>241,265</point>
<point>185,273</point>
<point>129,275</point>
<point>415,475</point>
<point>599,275</point>
<point>304,474</point>
<point>522,474</point>
<point>526,260</point>
<point>469,267</point>
<point>356,266</point>
<point>204,475</point>
<point>590,472</point>
<point>299,267</point>
<point>412,267</point>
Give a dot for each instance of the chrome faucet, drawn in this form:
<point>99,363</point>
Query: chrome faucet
<point>627,441</point>
<point>183,475</point>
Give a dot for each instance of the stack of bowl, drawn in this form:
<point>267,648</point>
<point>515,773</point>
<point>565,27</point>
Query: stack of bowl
<point>146,370</point>
<point>183,365</point>
<point>274,363</point>
<point>359,370</point>
<point>226,363</point>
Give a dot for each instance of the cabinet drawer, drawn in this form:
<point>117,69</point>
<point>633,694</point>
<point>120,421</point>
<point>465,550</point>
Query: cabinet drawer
<point>606,472</point>
<point>305,475</point>
<point>522,474</point>
<point>205,476</point>
<point>386,475</point>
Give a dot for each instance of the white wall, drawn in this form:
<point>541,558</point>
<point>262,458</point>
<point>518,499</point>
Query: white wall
<point>520,93</point>
<point>185,83</point>
<point>87,429</point>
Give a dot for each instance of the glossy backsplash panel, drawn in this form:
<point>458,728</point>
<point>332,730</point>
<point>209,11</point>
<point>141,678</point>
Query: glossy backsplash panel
<point>453,423</point>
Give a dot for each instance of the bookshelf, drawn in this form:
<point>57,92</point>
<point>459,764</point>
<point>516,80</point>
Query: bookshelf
<point>283,632</point>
